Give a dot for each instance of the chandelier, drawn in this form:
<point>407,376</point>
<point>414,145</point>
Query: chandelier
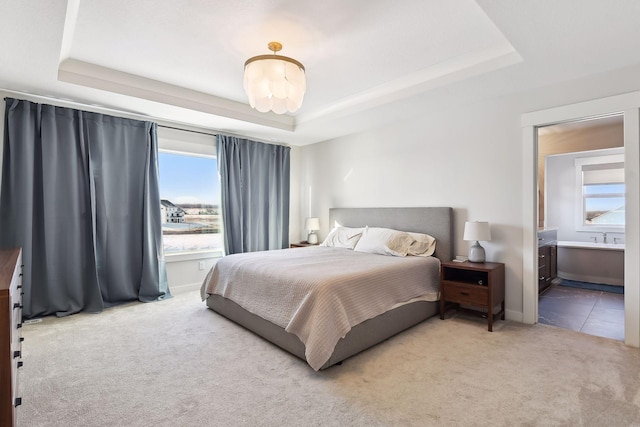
<point>274,82</point>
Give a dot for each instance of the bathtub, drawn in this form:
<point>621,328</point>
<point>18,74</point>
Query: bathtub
<point>591,262</point>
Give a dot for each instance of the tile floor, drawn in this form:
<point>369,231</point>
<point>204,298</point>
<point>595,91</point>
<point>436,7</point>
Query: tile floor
<point>592,312</point>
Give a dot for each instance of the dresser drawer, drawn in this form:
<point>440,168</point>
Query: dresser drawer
<point>10,333</point>
<point>466,294</point>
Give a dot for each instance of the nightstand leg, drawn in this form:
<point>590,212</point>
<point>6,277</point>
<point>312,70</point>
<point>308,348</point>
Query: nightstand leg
<point>502,306</point>
<point>490,316</point>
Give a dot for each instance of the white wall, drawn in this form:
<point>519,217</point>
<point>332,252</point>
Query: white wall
<point>184,272</point>
<point>468,156</point>
<point>561,193</point>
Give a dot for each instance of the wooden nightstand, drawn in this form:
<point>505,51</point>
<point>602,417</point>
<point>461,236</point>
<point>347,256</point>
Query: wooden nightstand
<point>475,284</point>
<point>302,245</point>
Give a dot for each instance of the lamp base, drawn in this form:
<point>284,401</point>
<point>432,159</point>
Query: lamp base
<point>476,253</point>
<point>312,238</point>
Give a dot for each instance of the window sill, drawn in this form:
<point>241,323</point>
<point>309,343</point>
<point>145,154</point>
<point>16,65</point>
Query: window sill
<point>601,229</point>
<point>191,256</point>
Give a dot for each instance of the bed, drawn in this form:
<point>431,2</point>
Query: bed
<point>360,331</point>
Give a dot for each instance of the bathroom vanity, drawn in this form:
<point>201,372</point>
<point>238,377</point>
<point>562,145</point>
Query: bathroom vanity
<point>547,258</point>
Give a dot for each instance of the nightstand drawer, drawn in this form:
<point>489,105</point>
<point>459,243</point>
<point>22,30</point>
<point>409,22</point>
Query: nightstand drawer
<point>466,294</point>
<point>478,285</point>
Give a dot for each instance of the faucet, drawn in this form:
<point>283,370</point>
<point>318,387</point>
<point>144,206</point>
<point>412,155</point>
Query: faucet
<point>604,237</point>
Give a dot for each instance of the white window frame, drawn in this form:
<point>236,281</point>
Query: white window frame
<point>579,209</point>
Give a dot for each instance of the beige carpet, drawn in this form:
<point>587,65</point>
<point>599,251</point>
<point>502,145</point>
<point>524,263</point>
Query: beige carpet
<point>176,363</point>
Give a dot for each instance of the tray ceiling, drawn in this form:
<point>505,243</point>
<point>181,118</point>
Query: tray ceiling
<point>182,61</point>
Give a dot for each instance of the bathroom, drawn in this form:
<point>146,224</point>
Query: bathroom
<point>581,226</point>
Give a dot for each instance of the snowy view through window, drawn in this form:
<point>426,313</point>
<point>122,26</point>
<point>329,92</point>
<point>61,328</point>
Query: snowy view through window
<point>190,194</point>
<point>604,204</point>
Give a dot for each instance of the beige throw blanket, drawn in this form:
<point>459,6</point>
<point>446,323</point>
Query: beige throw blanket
<point>320,293</point>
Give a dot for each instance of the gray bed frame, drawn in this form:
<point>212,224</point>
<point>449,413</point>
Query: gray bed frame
<point>436,221</point>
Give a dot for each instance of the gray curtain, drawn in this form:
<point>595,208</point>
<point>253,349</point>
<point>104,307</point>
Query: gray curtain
<point>80,196</point>
<point>254,181</point>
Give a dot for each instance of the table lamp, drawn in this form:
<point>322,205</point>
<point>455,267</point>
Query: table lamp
<point>476,230</point>
<point>312,224</point>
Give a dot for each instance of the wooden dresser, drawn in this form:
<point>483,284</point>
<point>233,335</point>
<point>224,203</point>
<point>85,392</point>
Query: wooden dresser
<point>10,333</point>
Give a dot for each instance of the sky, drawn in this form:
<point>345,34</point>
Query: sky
<point>604,203</point>
<point>188,179</point>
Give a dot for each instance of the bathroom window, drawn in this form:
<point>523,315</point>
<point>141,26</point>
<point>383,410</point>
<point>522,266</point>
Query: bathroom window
<point>601,201</point>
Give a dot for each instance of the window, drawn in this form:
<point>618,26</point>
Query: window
<point>190,193</point>
<point>600,182</point>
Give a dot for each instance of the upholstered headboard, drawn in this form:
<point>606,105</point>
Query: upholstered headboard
<point>435,221</point>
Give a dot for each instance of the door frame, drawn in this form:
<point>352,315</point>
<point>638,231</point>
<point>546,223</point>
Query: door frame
<point>629,105</point>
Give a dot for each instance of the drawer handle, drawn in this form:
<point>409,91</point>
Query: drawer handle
<point>17,305</point>
<point>16,354</point>
<point>19,325</point>
<point>18,401</point>
<point>541,278</point>
<point>20,363</point>
<point>21,339</point>
<point>466,294</point>
<point>540,256</point>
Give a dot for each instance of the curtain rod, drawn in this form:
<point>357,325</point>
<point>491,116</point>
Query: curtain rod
<point>106,110</point>
<point>129,115</point>
<point>187,130</point>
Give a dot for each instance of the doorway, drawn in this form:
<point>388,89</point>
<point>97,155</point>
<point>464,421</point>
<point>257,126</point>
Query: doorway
<point>629,105</point>
<point>581,233</point>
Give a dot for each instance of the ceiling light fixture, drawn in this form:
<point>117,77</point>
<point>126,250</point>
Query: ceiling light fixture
<point>274,82</point>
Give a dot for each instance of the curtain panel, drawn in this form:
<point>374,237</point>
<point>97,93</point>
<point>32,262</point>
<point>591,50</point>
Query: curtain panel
<point>80,196</point>
<point>254,181</point>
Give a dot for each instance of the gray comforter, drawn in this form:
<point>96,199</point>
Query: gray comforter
<point>320,293</point>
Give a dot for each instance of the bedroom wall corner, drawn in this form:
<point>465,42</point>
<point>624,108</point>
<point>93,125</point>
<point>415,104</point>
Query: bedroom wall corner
<point>296,217</point>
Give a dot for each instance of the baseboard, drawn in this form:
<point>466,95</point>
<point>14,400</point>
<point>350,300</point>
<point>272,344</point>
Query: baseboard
<point>516,316</point>
<point>180,289</point>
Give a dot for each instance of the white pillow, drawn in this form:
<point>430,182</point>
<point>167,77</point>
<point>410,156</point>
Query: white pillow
<point>423,245</point>
<point>343,237</point>
<point>384,241</point>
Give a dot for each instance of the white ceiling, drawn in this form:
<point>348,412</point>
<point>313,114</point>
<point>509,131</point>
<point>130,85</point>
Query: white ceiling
<point>367,61</point>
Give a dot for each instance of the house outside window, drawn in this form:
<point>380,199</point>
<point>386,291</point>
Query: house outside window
<point>171,212</point>
<point>601,201</point>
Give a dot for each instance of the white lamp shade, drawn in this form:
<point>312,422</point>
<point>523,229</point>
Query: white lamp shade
<point>477,230</point>
<point>312,224</point>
